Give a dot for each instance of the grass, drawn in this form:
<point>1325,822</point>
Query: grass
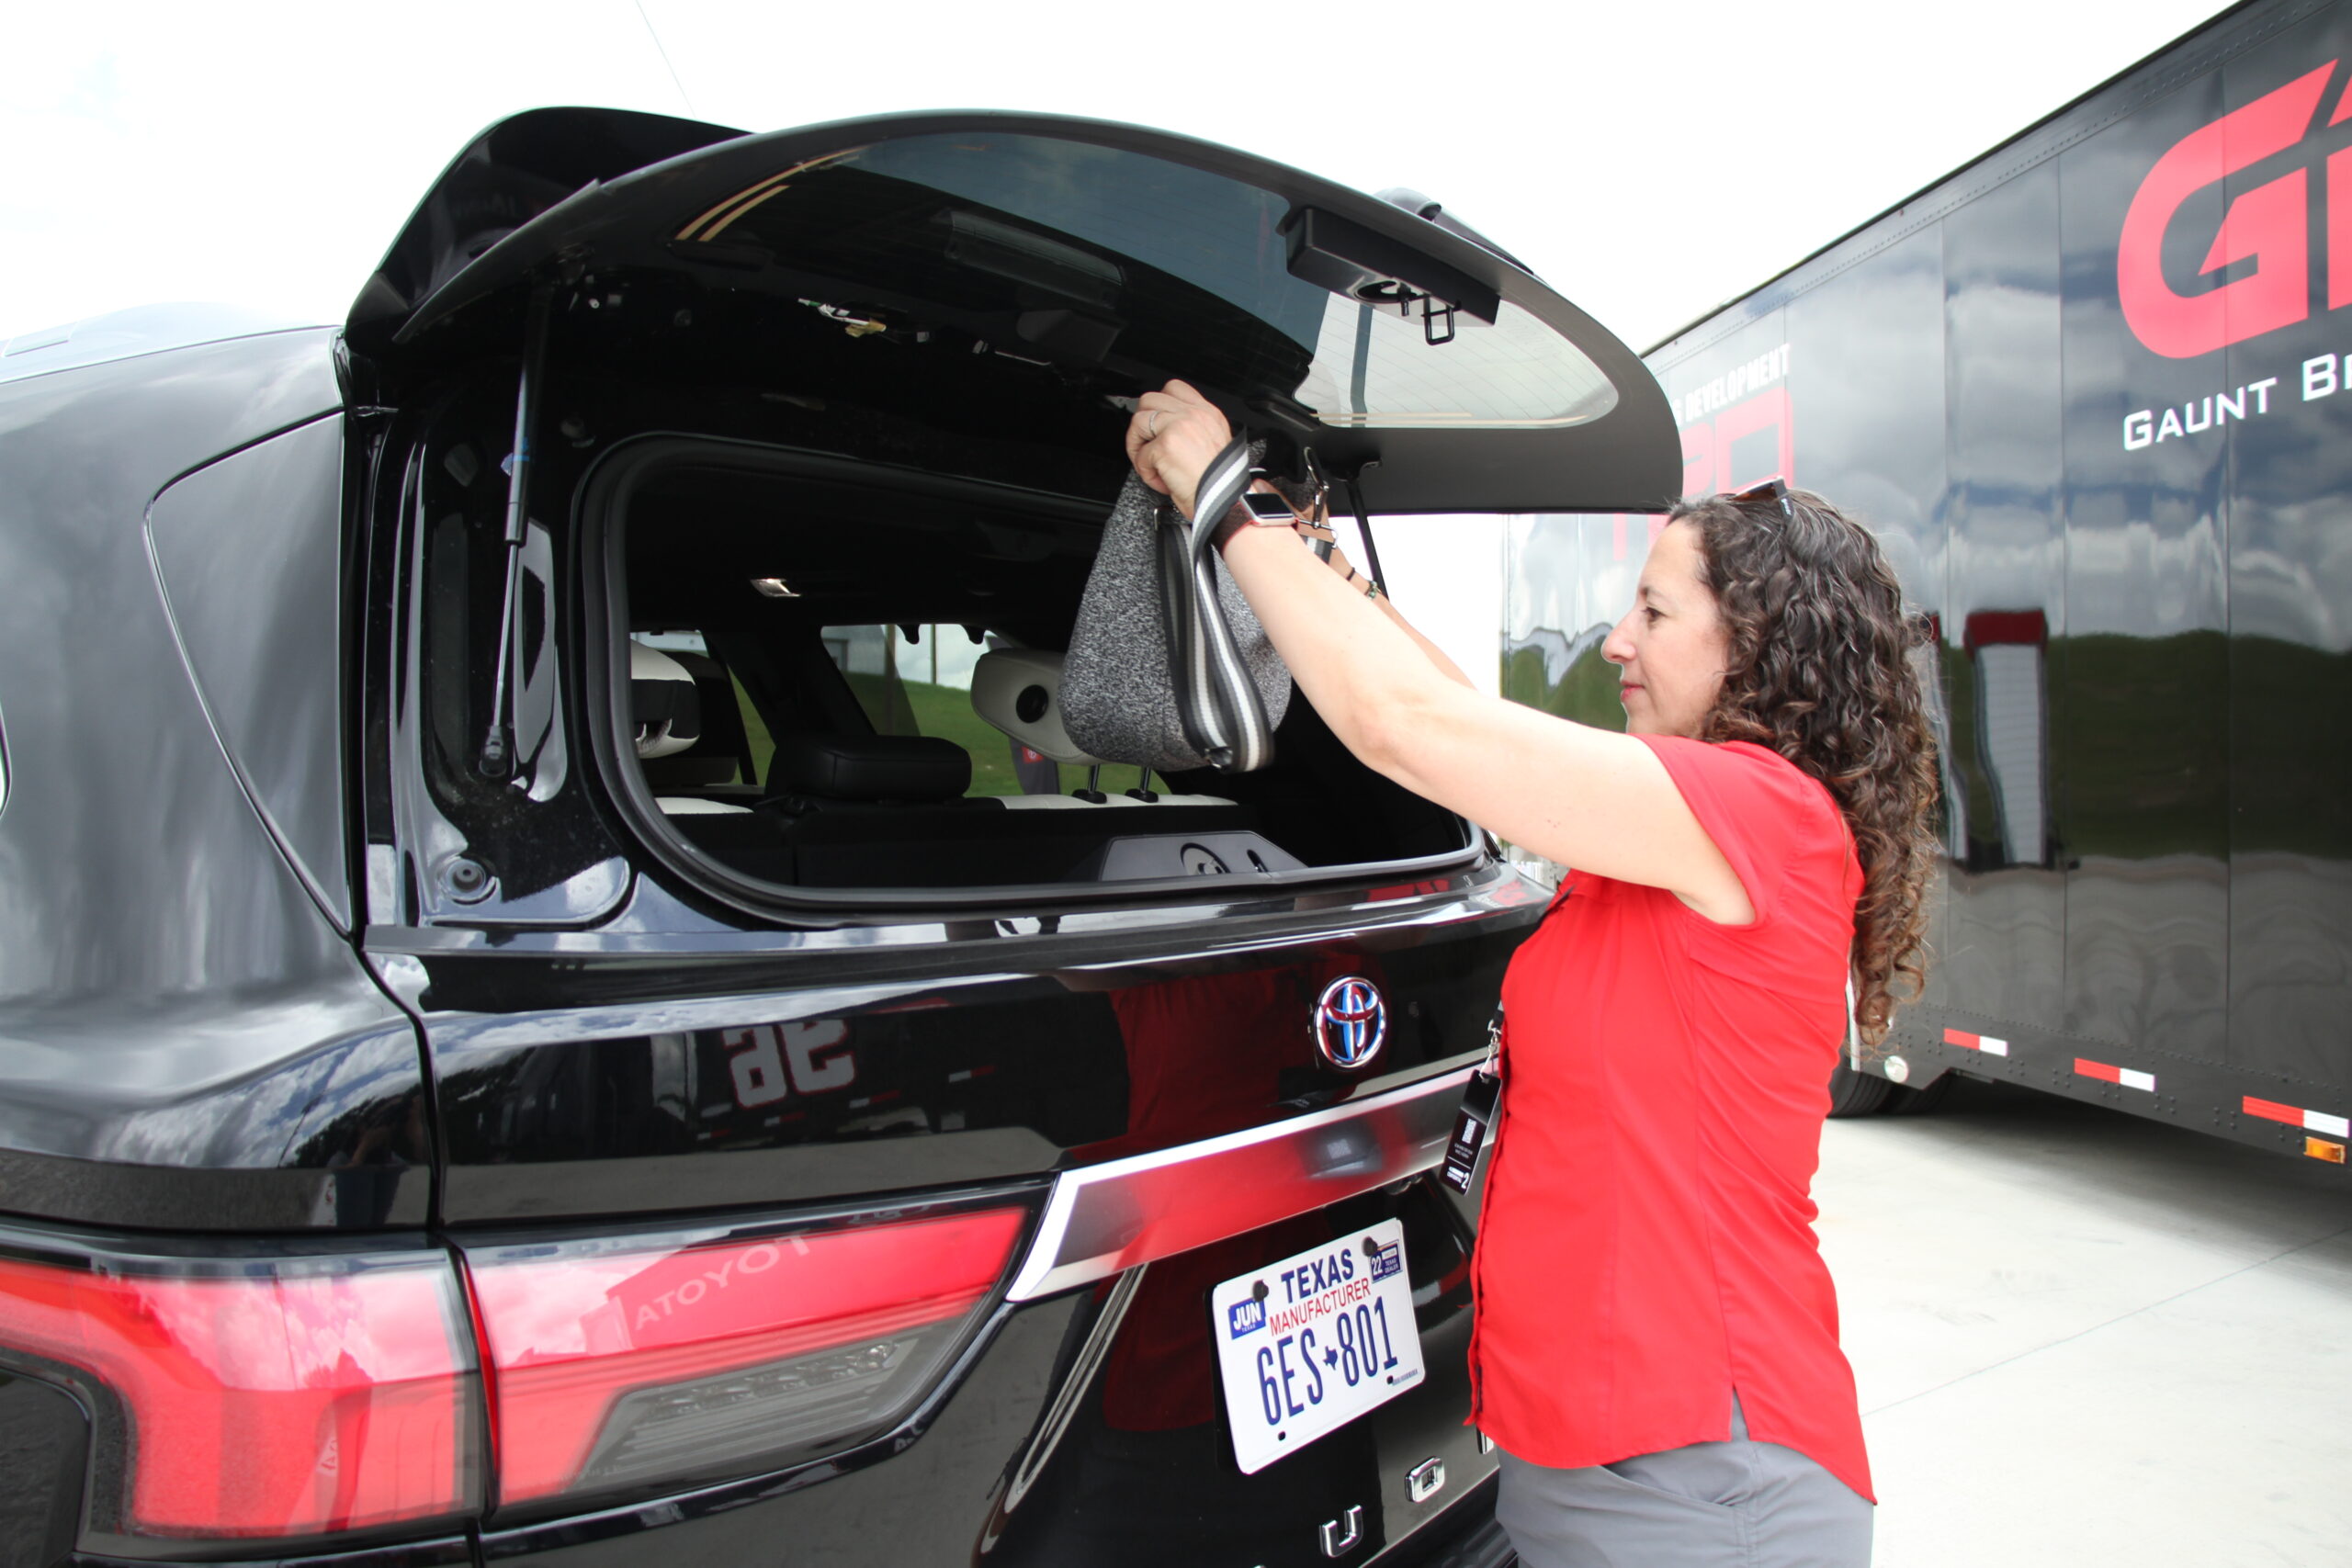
<point>2199,743</point>
<point>755,730</point>
<point>1587,693</point>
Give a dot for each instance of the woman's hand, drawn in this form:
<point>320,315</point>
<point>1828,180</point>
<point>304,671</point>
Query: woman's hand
<point>1585,797</point>
<point>1174,434</point>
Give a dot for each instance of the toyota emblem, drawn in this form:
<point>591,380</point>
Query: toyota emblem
<point>1350,1022</point>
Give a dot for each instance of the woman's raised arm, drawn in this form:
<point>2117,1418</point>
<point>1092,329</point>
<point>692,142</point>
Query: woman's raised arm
<point>1585,797</point>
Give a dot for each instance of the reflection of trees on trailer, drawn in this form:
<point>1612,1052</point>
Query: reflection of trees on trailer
<point>2092,393</point>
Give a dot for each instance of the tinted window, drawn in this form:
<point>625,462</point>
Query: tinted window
<point>1110,253</point>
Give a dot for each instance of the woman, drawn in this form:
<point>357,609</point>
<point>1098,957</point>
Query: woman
<point>1655,1351</point>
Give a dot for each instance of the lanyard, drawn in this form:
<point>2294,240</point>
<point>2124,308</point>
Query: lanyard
<point>1853,1035</point>
<point>1481,1098</point>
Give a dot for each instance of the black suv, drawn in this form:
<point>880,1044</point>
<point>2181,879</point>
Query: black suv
<point>564,993</point>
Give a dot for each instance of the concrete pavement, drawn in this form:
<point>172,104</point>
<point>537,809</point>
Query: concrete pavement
<point>2085,1339</point>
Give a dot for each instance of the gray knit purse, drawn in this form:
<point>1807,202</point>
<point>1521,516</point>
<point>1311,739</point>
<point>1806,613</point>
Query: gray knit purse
<point>1168,666</point>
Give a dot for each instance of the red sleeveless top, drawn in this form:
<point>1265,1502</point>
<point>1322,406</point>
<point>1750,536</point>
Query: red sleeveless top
<point>1646,1245</point>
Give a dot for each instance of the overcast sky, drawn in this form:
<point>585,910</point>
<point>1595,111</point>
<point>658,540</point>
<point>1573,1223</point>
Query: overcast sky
<point>1649,160</point>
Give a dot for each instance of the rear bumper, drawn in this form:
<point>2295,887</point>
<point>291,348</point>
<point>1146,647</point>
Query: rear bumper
<point>1467,1537</point>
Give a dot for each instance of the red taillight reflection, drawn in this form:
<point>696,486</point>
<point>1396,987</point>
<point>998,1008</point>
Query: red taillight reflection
<point>321,1396</point>
<point>632,1367</point>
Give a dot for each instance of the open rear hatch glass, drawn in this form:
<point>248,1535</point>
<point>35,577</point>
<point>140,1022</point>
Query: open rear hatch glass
<point>920,335</point>
<point>1435,372</point>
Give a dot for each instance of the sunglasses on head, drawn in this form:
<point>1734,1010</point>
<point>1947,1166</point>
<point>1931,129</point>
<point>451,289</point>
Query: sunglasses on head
<point>1771,489</point>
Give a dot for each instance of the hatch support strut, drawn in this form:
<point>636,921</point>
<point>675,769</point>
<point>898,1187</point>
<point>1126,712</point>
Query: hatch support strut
<point>1363,530</point>
<point>498,743</point>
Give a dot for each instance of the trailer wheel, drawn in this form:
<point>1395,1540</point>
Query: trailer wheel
<point>1902,1101</point>
<point>1856,1094</point>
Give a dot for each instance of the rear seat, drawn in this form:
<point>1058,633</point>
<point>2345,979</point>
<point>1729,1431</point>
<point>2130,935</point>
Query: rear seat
<point>667,701</point>
<point>1019,690</point>
<point>890,811</point>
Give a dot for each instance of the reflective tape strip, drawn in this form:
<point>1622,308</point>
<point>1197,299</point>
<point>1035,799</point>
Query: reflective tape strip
<point>2106,1073</point>
<point>2296,1116</point>
<point>1992,1045</point>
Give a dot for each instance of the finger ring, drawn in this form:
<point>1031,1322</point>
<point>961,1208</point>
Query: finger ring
<point>1151,427</point>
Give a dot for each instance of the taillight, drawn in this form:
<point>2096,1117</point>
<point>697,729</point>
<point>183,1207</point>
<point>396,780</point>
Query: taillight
<point>279,1397</point>
<point>640,1364</point>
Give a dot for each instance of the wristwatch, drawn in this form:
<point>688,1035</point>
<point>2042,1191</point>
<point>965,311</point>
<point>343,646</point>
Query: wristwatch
<point>1268,510</point>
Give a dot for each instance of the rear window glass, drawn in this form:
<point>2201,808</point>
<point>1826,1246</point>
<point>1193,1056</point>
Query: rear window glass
<point>1112,248</point>
<point>849,617</point>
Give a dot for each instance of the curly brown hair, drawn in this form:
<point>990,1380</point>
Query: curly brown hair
<point>1818,669</point>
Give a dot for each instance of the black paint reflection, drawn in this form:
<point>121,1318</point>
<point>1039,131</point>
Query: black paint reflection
<point>1145,1472</point>
<point>2132,531</point>
<point>2142,738</point>
<point>246,553</point>
<point>1211,1051</point>
<point>2003,949</point>
<point>175,1002</point>
<point>2289,658</point>
<point>772,1106</point>
<point>751,1094</point>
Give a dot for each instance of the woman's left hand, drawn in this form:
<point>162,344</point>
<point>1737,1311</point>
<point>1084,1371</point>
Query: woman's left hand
<point>1174,434</point>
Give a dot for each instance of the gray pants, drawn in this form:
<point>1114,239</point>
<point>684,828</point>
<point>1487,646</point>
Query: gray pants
<point>1740,1504</point>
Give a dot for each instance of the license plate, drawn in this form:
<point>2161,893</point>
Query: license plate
<point>1308,1344</point>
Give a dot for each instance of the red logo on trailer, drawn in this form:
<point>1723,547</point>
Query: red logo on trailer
<point>1740,427</point>
<point>2267,226</point>
<point>1708,465</point>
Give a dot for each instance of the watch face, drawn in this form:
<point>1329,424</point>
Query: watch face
<point>1267,508</point>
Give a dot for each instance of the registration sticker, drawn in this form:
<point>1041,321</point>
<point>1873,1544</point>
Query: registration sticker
<point>1308,1344</point>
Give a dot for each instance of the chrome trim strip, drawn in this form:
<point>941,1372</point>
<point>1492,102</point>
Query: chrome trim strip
<point>1104,1219</point>
<point>1075,1383</point>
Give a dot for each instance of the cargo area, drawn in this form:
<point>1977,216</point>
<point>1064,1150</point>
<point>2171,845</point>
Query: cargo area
<point>845,677</point>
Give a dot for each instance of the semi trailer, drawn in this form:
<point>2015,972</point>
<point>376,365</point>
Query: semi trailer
<point>2094,393</point>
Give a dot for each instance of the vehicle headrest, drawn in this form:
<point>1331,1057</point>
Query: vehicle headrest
<point>904,768</point>
<point>1019,690</point>
<point>663,702</point>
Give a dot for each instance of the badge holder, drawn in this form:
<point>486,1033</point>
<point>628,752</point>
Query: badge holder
<point>1481,1101</point>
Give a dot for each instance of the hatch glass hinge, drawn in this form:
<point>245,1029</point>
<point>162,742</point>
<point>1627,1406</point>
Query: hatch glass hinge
<point>1437,320</point>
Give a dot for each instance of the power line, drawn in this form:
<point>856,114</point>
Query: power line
<point>664,53</point>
